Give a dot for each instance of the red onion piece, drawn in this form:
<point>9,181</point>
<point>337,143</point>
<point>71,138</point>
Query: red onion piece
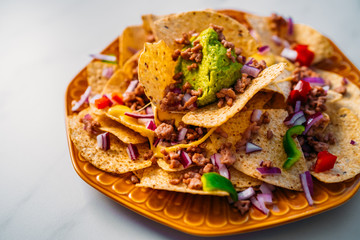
<point>306,186</point>
<point>149,110</point>
<point>251,71</point>
<point>290,29</point>
<point>259,205</point>
<point>132,151</point>
<point>309,182</point>
<point>345,81</point>
<point>132,86</point>
<point>352,142</point>
<point>289,54</point>
<point>103,57</point>
<point>300,120</point>
<point>246,194</point>
<point>255,115</point>
<point>83,99</point>
<point>292,118</point>
<point>216,160</point>
<point>182,134</point>
<point>326,88</point>
<point>264,49</point>
<point>87,117</point>
<point>251,147</point>
<point>185,159</point>
<point>269,170</point>
<point>297,106</point>
<point>151,125</point>
<point>107,72</point>
<point>276,40</point>
<point>265,197</point>
<point>314,81</point>
<point>312,120</point>
<point>103,141</point>
<point>136,115</point>
<point>266,188</point>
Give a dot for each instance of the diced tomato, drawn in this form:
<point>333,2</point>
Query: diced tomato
<point>324,162</point>
<point>299,93</point>
<point>305,56</point>
<point>117,97</point>
<point>103,102</point>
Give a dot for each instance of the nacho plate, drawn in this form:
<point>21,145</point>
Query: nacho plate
<point>209,215</point>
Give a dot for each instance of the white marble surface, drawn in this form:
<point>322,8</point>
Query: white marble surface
<point>43,45</point>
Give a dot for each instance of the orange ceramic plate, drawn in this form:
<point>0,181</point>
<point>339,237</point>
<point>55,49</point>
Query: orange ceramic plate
<point>210,215</point>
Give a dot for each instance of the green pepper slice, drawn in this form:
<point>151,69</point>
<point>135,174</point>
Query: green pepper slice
<point>213,181</point>
<point>290,147</point>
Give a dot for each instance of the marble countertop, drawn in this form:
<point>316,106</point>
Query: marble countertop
<point>43,45</point>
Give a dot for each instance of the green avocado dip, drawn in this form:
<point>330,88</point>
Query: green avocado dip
<point>215,71</point>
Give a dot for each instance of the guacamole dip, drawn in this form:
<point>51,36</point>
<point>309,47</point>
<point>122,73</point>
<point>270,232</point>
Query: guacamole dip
<point>215,71</point>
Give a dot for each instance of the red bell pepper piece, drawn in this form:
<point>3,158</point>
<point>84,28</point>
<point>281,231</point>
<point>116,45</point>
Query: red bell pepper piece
<point>299,93</point>
<point>117,97</point>
<point>103,102</point>
<point>305,56</point>
<point>324,162</point>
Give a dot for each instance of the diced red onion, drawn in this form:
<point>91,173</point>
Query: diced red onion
<point>264,49</point>
<point>87,117</point>
<point>151,125</point>
<point>326,88</point>
<point>259,205</point>
<point>312,120</point>
<point>276,40</point>
<point>92,100</point>
<point>289,54</point>
<point>314,81</point>
<point>300,120</point>
<point>103,57</point>
<point>83,99</point>
<point>297,106</point>
<point>137,115</point>
<point>251,147</point>
<point>255,115</point>
<point>269,170</point>
<point>306,183</point>
<point>266,188</point>
<point>216,160</point>
<point>251,71</point>
<point>292,118</point>
<point>149,110</point>
<point>108,72</point>
<point>185,159</point>
<point>246,194</point>
<point>251,60</point>
<point>182,134</point>
<point>103,141</point>
<point>352,142</point>
<point>132,86</point>
<point>265,197</point>
<point>132,151</point>
<point>345,81</point>
<point>290,29</point>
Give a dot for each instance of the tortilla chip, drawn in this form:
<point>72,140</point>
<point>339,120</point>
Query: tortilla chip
<point>131,64</point>
<point>148,22</point>
<point>166,167</point>
<point>345,126</point>
<point>173,26</point>
<point>131,41</point>
<point>259,100</point>
<point>281,84</point>
<point>156,70</point>
<point>123,133</point>
<point>115,160</point>
<point>350,100</point>
<point>273,149</point>
<point>317,43</point>
<point>157,178</point>
<point>118,83</point>
<point>213,116</point>
<point>242,181</point>
<point>95,77</point>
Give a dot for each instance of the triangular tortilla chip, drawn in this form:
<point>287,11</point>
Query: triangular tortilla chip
<point>117,83</point>
<point>241,181</point>
<point>95,77</point>
<point>155,177</point>
<point>131,41</point>
<point>273,149</point>
<point>173,26</point>
<point>115,160</point>
<point>213,116</point>
<point>345,126</point>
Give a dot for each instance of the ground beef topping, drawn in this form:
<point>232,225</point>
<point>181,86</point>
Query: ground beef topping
<point>90,125</point>
<point>136,99</point>
<point>242,206</point>
<point>225,96</point>
<point>227,156</point>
